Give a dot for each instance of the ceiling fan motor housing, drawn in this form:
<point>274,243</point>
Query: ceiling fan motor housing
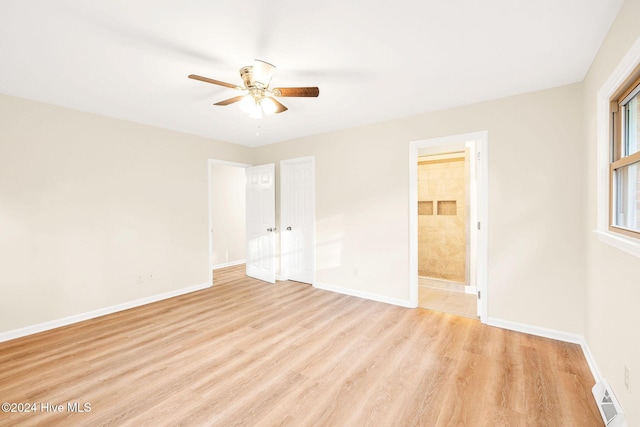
<point>247,76</point>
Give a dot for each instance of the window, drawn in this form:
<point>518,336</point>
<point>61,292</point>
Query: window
<point>614,162</point>
<point>624,168</point>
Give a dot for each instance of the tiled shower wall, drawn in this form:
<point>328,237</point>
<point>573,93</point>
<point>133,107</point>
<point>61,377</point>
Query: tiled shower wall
<point>442,214</point>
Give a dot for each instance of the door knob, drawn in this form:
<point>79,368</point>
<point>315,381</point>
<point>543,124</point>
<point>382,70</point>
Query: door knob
<point>288,228</point>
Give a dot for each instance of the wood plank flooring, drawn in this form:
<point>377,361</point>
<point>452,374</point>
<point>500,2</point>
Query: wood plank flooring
<point>246,353</point>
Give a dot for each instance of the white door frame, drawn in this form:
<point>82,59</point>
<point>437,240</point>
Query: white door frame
<point>284,265</point>
<point>478,257</point>
<point>210,164</point>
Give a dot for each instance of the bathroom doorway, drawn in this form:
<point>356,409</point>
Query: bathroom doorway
<point>447,241</point>
<point>443,232</point>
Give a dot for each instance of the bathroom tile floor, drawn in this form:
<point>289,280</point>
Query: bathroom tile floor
<point>446,297</point>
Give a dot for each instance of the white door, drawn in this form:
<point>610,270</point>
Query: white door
<point>473,221</point>
<point>261,222</point>
<point>297,219</point>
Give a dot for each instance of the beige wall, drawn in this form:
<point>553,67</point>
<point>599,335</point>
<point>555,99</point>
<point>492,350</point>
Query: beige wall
<point>88,203</point>
<point>536,268</point>
<point>613,286</point>
<point>228,219</point>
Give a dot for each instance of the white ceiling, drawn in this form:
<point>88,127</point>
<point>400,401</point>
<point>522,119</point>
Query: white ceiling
<point>373,60</point>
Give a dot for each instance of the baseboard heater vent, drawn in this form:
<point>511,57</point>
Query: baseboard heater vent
<point>608,405</point>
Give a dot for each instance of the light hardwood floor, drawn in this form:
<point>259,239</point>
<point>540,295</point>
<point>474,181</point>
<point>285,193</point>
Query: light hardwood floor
<point>254,354</point>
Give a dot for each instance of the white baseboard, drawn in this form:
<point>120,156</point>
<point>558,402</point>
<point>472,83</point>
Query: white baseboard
<point>34,329</point>
<point>228,264</point>
<point>536,330</point>
<point>365,295</point>
<point>591,361</point>
<point>553,334</point>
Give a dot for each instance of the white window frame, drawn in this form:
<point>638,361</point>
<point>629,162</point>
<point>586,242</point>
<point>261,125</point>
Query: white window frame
<point>616,79</point>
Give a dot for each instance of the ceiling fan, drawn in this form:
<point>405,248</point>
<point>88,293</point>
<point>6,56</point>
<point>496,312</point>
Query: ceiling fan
<point>258,99</point>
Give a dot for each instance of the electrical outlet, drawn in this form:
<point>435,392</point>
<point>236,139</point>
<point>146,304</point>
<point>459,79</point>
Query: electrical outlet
<point>140,279</point>
<point>626,377</point>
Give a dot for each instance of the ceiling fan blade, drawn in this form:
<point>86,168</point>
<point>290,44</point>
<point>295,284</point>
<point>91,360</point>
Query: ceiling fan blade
<point>215,82</point>
<point>296,91</point>
<point>281,108</point>
<point>230,100</point>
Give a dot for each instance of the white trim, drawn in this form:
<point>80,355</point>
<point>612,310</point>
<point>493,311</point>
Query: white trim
<point>591,361</point>
<point>365,295</point>
<point>617,78</point>
<point>228,264</point>
<point>34,329</point>
<point>624,243</point>
<point>552,334</point>
<point>413,225</point>
<point>482,194</point>
<point>536,330</point>
<point>480,140</point>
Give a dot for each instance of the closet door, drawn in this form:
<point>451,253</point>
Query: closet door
<point>261,223</point>
<point>297,219</point>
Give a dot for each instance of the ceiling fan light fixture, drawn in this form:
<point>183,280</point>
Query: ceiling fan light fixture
<point>268,106</point>
<point>251,105</point>
<point>262,72</point>
<point>259,99</point>
<point>247,104</point>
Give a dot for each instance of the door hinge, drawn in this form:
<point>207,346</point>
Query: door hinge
<point>478,225</point>
<point>478,155</point>
<point>478,294</point>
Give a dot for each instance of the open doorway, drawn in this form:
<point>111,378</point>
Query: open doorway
<point>444,181</point>
<point>227,210</point>
<point>448,210</point>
